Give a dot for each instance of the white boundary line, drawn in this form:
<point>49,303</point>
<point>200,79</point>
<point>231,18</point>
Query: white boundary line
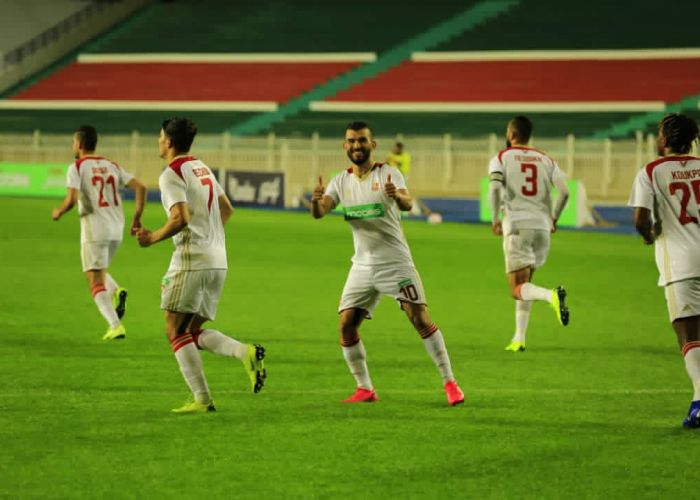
<point>279,57</point>
<point>138,105</point>
<point>489,107</point>
<point>557,55</point>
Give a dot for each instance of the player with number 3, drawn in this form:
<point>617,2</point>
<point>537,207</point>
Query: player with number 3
<point>520,179</point>
<point>94,183</point>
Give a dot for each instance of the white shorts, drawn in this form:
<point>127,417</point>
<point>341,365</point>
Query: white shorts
<point>196,292</point>
<point>525,248</point>
<point>97,255</point>
<point>366,284</point>
<point>683,298</point>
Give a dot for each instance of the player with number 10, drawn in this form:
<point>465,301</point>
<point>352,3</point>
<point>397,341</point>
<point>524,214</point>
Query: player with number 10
<point>372,195</point>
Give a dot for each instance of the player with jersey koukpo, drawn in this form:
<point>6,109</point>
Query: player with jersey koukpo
<point>94,182</point>
<point>197,210</point>
<point>666,201</point>
<point>521,179</point>
<point>373,195</point>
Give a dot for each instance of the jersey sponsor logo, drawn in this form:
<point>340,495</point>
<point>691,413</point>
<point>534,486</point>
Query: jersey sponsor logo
<point>370,211</point>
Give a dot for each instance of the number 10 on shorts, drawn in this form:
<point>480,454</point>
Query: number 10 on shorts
<point>408,290</point>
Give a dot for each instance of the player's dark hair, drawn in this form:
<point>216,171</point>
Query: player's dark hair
<point>356,126</point>
<point>399,145</point>
<point>522,128</point>
<point>87,137</point>
<point>680,132</point>
<point>181,132</point>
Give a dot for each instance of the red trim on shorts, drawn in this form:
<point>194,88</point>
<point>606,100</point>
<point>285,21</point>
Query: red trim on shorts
<point>98,289</point>
<point>689,346</point>
<point>181,341</point>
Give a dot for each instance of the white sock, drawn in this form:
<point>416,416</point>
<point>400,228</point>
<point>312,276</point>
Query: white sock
<point>692,366</point>
<point>217,343</point>
<point>104,303</point>
<point>111,285</point>
<point>435,345</point>
<point>356,358</point>
<point>528,291</point>
<point>190,362</point>
<point>522,316</point>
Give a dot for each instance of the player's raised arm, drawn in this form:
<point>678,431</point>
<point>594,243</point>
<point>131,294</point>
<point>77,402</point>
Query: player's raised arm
<point>400,195</point>
<point>177,221</point>
<point>140,199</point>
<point>321,203</point>
<point>68,203</point>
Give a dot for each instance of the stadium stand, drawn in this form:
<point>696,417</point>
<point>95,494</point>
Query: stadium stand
<point>458,87</point>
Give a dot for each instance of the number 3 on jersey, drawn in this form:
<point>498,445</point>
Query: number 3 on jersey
<point>530,186</point>
<point>102,202</point>
<point>684,218</point>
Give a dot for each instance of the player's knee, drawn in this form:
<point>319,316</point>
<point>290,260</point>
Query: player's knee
<point>348,333</point>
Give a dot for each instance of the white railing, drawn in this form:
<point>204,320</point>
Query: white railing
<point>441,165</point>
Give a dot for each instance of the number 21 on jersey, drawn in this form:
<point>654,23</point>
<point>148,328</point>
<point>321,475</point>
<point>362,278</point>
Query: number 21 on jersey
<point>98,180</point>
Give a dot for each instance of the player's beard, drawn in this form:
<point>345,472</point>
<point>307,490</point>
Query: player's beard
<point>508,143</point>
<point>362,158</point>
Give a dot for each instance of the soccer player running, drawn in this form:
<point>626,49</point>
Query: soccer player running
<point>372,195</point>
<point>521,179</point>
<point>197,210</point>
<point>93,183</point>
<point>666,194</point>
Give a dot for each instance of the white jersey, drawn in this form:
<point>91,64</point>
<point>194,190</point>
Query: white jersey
<point>202,244</point>
<point>527,176</point>
<point>375,218</point>
<point>670,188</point>
<point>98,182</point>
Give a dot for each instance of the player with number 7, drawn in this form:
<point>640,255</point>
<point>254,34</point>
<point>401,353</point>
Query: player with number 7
<point>197,210</point>
<point>93,183</point>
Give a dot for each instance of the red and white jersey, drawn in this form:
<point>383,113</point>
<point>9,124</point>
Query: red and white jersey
<point>98,181</point>
<point>202,244</point>
<point>527,176</point>
<point>670,188</point>
<point>375,218</point>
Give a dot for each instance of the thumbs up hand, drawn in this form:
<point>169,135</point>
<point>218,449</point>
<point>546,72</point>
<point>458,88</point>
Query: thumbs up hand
<point>320,189</point>
<point>390,188</point>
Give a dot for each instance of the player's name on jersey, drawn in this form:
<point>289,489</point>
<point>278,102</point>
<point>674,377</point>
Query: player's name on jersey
<point>527,158</point>
<point>685,174</point>
<point>200,172</point>
<point>100,170</point>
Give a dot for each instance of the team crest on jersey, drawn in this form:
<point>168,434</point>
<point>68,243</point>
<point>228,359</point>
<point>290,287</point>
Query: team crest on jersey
<point>375,186</point>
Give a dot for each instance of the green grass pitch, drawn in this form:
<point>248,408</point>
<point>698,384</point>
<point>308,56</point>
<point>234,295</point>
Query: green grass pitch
<point>592,410</point>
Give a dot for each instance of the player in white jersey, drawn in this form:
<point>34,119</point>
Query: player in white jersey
<point>521,179</point>
<point>372,196</point>
<point>197,210</point>
<point>94,183</point>
<point>666,201</point>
